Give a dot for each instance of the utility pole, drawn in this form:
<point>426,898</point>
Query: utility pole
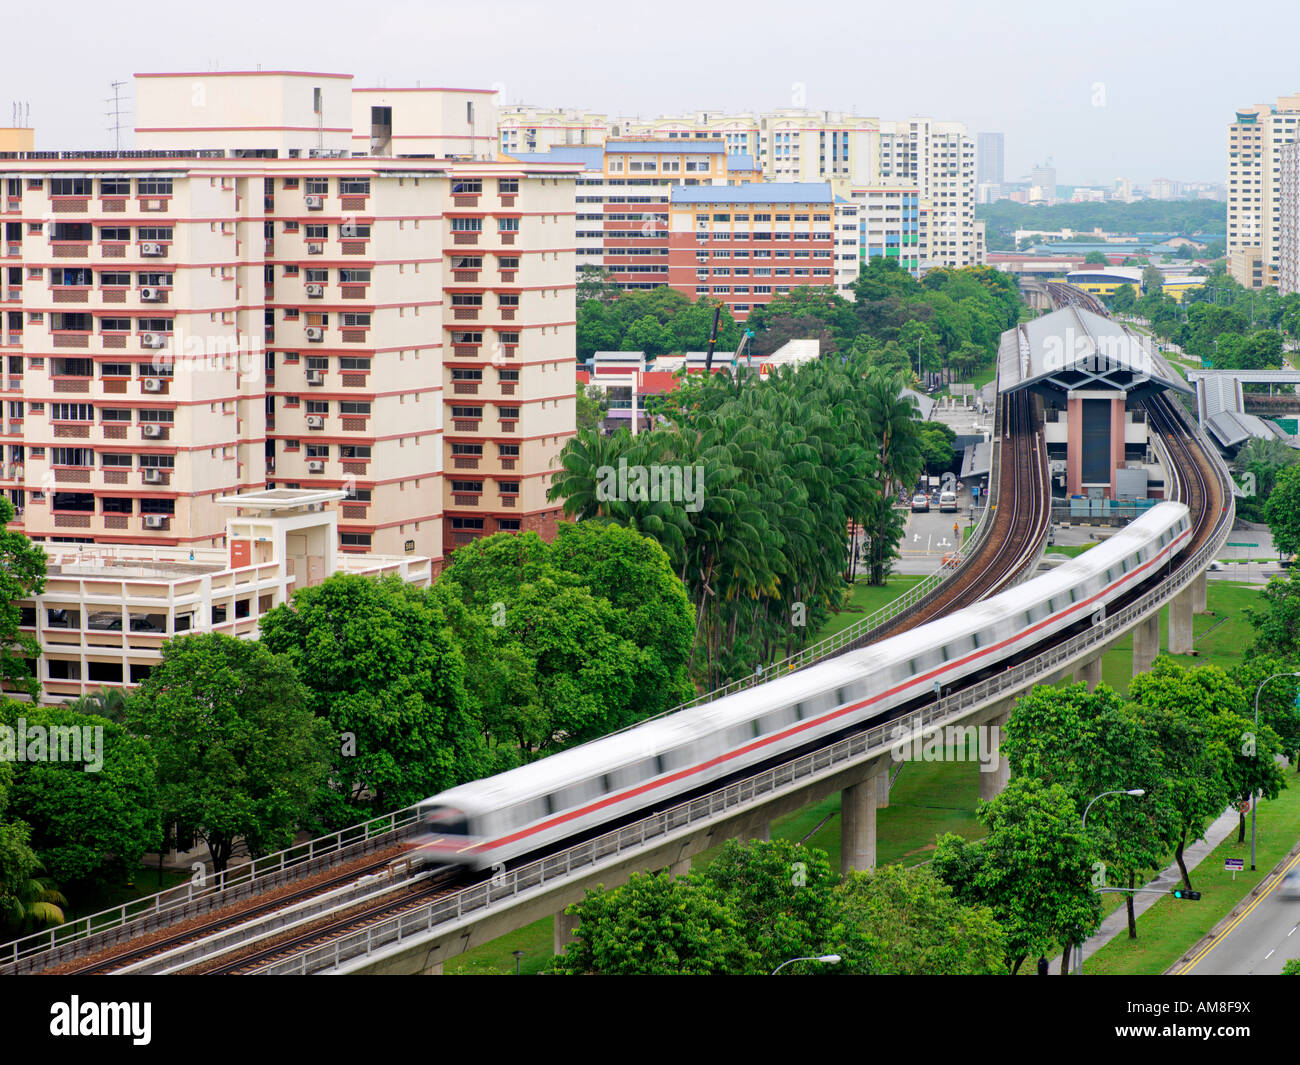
<point>116,114</point>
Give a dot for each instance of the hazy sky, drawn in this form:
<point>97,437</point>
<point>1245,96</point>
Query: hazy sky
<point>1107,88</point>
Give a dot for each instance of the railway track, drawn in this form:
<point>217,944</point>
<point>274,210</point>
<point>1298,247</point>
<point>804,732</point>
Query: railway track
<point>1020,523</point>
<point>269,949</point>
<point>135,951</point>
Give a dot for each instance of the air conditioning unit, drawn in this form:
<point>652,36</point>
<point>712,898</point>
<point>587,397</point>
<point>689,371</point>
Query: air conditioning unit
<point>154,521</point>
<point>150,295</point>
<point>347,229</point>
<point>151,249</point>
<point>315,291</point>
<point>152,432</point>
<point>315,332</point>
<point>315,249</point>
<point>315,421</point>
<point>153,340</point>
<point>153,476</point>
<point>315,466</point>
<point>315,203</point>
<point>153,384</point>
<point>315,377</point>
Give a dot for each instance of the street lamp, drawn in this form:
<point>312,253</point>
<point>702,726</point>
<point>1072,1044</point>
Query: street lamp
<point>820,959</point>
<point>1285,673</point>
<point>1136,793</point>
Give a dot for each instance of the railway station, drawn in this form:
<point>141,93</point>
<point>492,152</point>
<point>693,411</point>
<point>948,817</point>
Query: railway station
<point>1093,376</point>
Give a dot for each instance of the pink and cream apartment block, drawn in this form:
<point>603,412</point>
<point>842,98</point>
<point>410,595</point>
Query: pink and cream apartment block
<point>289,284</point>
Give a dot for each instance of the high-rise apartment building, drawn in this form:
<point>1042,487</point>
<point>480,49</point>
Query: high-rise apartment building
<point>1288,244</point>
<point>1255,143</point>
<point>989,159</point>
<point>1042,184</point>
<point>243,303</point>
<point>800,145</point>
<point>623,197</point>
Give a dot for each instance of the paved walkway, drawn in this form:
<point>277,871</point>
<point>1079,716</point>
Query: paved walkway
<point>1117,923</point>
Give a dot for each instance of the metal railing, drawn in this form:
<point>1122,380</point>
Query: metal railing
<point>134,918</point>
<point>867,744</point>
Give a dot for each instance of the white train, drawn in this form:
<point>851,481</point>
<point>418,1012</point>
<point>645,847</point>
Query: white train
<point>656,764</point>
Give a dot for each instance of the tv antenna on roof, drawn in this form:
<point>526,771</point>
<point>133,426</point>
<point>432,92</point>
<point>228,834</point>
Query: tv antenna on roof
<point>117,113</point>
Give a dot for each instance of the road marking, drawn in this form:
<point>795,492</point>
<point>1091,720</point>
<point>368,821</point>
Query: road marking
<point>1240,917</point>
<point>1270,954</point>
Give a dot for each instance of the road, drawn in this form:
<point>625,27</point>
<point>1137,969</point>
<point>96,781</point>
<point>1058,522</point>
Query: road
<point>1259,941</point>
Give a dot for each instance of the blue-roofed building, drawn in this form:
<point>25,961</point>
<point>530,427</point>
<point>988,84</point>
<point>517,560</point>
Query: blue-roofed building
<point>764,192</point>
<point>622,199</point>
<point>745,245</point>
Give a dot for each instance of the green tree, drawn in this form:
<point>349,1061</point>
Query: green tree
<point>590,406</point>
<point>1278,707</point>
<point>1177,706</point>
<point>1090,744</point>
<point>1283,511</point>
<point>909,924</point>
<point>783,895</point>
<point>657,925</point>
<point>1096,258</point>
<point>22,575</point>
<point>594,284</point>
<point>1033,869</point>
<point>1123,299</point>
<point>93,820</point>
<point>240,756</point>
<point>27,899</point>
<point>382,666</point>
<point>1277,622</point>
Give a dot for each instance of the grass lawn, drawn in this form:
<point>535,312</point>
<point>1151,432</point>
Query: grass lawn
<point>144,883</point>
<point>1070,550</point>
<point>1220,636</point>
<point>866,599</point>
<point>1171,927</point>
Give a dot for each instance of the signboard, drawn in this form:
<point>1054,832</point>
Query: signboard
<point>974,491</point>
<point>410,547</point>
<point>1235,865</point>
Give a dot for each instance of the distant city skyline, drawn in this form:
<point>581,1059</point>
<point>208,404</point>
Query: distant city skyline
<point>1089,94</point>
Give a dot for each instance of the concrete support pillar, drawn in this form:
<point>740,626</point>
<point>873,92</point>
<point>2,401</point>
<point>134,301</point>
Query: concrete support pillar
<point>1089,673</point>
<point>994,780</point>
<point>1146,642</point>
<point>565,926</point>
<point>1198,593</point>
<point>858,826</point>
<point>882,789</point>
<point>435,969</point>
<point>1180,622</point>
<point>680,868</point>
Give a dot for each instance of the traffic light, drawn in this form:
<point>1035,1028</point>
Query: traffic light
<point>1183,893</point>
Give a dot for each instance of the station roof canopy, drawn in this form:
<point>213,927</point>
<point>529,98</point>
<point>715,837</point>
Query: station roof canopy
<point>1076,349</point>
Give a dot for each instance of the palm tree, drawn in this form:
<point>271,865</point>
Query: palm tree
<point>30,902</point>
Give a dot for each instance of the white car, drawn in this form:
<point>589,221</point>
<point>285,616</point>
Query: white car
<point>1290,886</point>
